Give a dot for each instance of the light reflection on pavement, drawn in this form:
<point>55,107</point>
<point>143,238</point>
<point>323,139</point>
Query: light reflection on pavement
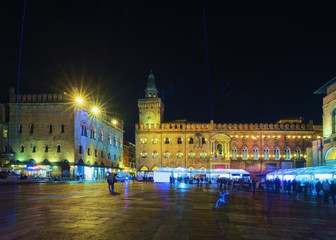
<point>159,211</point>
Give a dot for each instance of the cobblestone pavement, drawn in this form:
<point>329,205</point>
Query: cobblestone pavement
<point>159,211</point>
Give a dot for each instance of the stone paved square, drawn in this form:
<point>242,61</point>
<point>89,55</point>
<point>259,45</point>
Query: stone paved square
<point>159,211</point>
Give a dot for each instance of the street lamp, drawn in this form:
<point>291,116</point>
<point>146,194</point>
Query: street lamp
<point>95,110</point>
<point>79,100</point>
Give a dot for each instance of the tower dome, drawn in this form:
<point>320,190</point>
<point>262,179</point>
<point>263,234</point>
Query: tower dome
<point>151,90</point>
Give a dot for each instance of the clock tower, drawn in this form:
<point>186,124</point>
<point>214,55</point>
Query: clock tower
<point>151,107</point>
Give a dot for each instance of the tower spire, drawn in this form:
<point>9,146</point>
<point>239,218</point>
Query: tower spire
<point>151,90</point>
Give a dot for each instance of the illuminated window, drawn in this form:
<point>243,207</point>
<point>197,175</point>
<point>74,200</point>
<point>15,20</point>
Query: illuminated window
<point>143,155</point>
<point>31,129</point>
<point>62,129</point>
<point>143,140</point>
<point>333,116</point>
<point>244,138</point>
<point>203,155</point>
<point>234,153</point>
<point>191,141</point>
<point>50,128</point>
<point>265,138</point>
<point>276,138</point>
<point>255,154</point>
<point>191,155</point>
<point>167,154</point>
<point>276,154</point>
<point>114,141</point>
<point>166,140</point>
<point>58,148</point>
<point>20,128</point>
<point>297,154</point>
<point>203,140</point>
<point>5,133</point>
<point>286,138</point>
<point>179,155</point>
<point>155,155</point>
<point>179,141</point>
<point>287,154</point>
<point>244,153</point>
<point>296,139</point>
<point>119,142</point>
<point>155,140</point>
<point>22,148</point>
<point>233,138</point>
<point>266,154</point>
<point>34,149</point>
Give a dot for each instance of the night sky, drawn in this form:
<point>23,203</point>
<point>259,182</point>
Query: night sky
<point>265,60</point>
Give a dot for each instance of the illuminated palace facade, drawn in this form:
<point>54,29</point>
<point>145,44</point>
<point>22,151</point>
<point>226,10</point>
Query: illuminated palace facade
<point>48,134</point>
<point>255,147</point>
<point>324,149</point>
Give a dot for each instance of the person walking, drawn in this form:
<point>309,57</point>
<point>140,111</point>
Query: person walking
<point>110,182</point>
<point>254,184</point>
<point>326,189</point>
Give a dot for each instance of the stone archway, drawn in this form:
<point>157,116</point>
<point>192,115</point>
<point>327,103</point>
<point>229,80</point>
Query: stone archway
<point>220,146</point>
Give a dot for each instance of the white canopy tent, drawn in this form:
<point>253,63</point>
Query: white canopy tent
<point>304,174</point>
<point>164,174</point>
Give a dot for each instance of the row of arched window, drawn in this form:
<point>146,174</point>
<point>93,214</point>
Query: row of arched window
<point>101,154</point>
<point>46,148</point>
<point>167,140</point>
<point>93,135</point>
<point>178,155</point>
<point>32,128</point>
<point>266,155</point>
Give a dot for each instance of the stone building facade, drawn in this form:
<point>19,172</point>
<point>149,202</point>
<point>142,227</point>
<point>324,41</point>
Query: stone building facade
<point>324,149</point>
<point>129,158</point>
<point>255,147</point>
<point>50,134</point>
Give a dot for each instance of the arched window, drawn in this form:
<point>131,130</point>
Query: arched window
<point>155,155</point>
<point>255,154</point>
<point>244,153</point>
<point>167,154</point>
<point>297,154</point>
<point>234,153</point>
<point>62,129</point>
<point>31,129</point>
<point>93,132</point>
<point>287,154</point>
<point>276,154</point>
<point>155,140</point>
<point>114,141</point>
<point>179,140</point>
<point>84,129</point>
<point>58,148</point>
<point>50,128</point>
<point>109,141</point>
<point>109,156</point>
<point>89,151</point>
<point>203,155</point>
<point>34,149</point>
<point>20,128</point>
<point>115,157</point>
<point>96,153</point>
<point>191,141</point>
<point>191,155</point>
<point>333,116</point>
<point>266,154</point>
<point>166,140</point>
<point>179,155</point>
<point>203,140</point>
<point>22,148</point>
<point>46,149</point>
<point>143,155</point>
<point>101,136</point>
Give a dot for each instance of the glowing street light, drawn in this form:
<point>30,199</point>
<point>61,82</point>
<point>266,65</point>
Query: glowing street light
<point>79,100</point>
<point>114,122</point>
<point>95,110</point>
